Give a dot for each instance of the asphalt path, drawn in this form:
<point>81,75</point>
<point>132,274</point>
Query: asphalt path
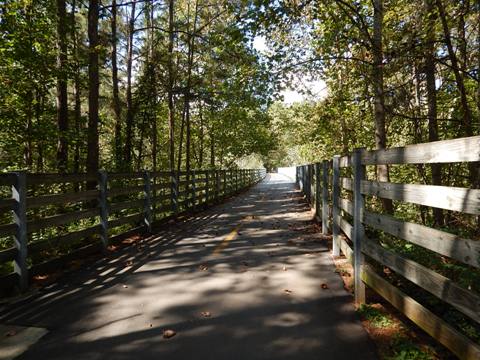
<point>251,278</point>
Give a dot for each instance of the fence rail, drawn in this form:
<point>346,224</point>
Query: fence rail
<point>53,216</point>
<point>341,191</point>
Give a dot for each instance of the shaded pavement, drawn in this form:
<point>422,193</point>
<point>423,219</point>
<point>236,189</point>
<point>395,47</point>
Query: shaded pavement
<point>242,280</point>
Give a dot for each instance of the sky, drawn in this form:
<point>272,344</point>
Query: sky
<point>318,88</point>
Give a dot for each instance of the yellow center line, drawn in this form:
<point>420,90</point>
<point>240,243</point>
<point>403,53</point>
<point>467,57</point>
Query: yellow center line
<point>231,236</point>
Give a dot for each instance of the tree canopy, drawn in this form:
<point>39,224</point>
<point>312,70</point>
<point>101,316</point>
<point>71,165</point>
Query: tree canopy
<point>176,84</point>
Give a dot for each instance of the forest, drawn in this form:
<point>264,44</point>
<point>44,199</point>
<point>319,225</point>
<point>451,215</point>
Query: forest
<point>124,86</point>
<point>180,84</point>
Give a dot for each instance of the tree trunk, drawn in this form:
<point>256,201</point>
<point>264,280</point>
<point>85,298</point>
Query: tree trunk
<point>129,120</point>
<point>171,106</point>
<point>377,76</point>
<point>28,148</point>
<point>39,108</point>
<point>462,41</point>
<point>474,167</point>
<point>466,112</point>
<point>202,136</point>
<point>191,49</point>
<point>116,97</point>
<point>151,69</point>
<point>140,143</point>
<point>78,104</point>
<point>93,85</point>
<point>432,99</point>
<point>180,141</point>
<point>62,101</point>
<point>212,147</point>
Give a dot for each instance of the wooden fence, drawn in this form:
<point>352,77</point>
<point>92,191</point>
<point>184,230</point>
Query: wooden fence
<point>323,186</point>
<point>60,217</point>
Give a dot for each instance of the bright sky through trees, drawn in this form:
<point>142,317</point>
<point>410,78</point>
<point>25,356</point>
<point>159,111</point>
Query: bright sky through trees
<point>312,90</point>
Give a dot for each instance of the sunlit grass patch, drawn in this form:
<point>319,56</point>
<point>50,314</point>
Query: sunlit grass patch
<point>376,317</point>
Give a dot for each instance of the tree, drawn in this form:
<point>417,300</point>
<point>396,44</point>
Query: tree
<point>130,110</point>
<point>93,88</point>
<point>117,108</point>
<point>62,100</point>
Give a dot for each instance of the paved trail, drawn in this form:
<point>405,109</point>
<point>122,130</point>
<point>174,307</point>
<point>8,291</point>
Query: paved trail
<point>241,280</point>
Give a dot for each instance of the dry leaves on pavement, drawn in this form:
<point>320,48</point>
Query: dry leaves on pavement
<point>169,333</point>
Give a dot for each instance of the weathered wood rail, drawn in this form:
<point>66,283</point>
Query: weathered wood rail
<point>46,219</point>
<point>338,190</point>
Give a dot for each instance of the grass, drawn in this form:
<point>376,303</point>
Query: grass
<point>404,349</point>
<point>376,317</point>
<point>394,338</point>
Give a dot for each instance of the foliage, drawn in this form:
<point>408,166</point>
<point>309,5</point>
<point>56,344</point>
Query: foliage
<point>376,317</point>
<point>404,349</point>
<point>225,84</point>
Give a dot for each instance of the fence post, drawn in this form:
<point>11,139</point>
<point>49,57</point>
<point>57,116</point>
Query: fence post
<point>224,184</point>
<point>358,230</point>
<point>19,194</point>
<point>307,185</point>
<point>300,177</point>
<point>325,197</point>
<point>173,193</point>
<point>148,201</point>
<point>103,189</point>
<point>308,188</point>
<point>304,174</point>
<point>194,191</point>
<point>300,172</point>
<point>318,194</point>
<point>310,178</point>
<point>207,186</point>
<point>217,185</point>
<point>335,207</point>
<point>312,185</point>
<point>236,180</point>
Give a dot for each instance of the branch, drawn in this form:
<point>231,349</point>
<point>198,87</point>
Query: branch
<point>288,67</point>
<point>363,26</point>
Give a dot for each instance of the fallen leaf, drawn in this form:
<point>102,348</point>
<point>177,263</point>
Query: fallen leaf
<point>169,333</point>
<point>40,277</point>
<point>206,314</point>
<point>324,286</point>
<point>10,333</point>
<point>203,267</point>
